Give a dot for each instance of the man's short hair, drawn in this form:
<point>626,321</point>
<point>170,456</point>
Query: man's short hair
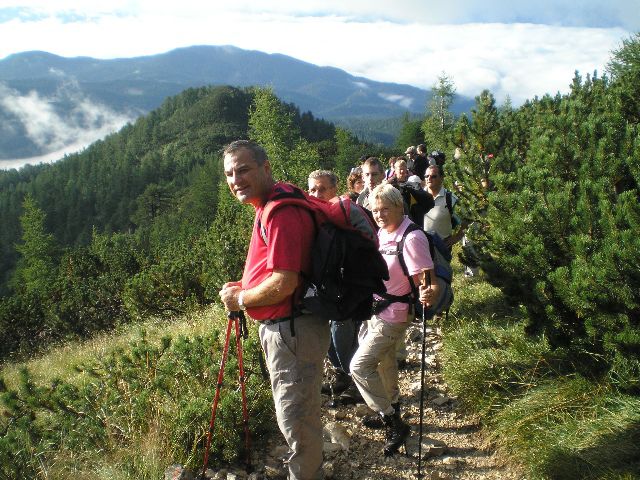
<point>257,152</point>
<point>410,149</point>
<point>399,161</point>
<point>422,148</point>
<point>440,169</point>
<point>333,178</point>
<point>374,162</point>
<point>386,194</point>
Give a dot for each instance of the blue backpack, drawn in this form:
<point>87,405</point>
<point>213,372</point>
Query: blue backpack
<point>441,256</point>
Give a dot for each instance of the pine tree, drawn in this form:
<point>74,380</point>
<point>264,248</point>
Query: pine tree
<point>271,125</point>
<point>37,267</point>
<point>438,124</point>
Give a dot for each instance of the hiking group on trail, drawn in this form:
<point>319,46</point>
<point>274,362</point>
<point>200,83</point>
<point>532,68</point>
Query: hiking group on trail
<point>329,276</point>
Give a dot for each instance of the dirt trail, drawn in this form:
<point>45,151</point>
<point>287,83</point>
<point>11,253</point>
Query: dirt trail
<point>453,447</point>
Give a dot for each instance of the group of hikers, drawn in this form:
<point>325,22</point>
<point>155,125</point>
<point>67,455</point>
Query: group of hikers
<point>404,201</point>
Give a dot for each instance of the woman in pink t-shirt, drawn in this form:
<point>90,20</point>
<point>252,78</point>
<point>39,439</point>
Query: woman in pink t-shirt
<point>374,368</point>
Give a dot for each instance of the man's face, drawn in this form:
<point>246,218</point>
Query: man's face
<point>248,181</point>
<point>321,188</point>
<point>401,171</point>
<point>372,176</point>
<point>433,178</point>
<point>387,216</point>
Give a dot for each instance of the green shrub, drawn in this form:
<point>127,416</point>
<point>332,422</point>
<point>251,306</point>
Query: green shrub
<point>152,398</point>
<point>572,428</point>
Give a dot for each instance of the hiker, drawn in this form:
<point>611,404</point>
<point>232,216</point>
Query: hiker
<point>373,175</point>
<point>323,184</point>
<point>441,218</point>
<point>417,202</point>
<point>344,332</point>
<point>373,367</point>
<point>269,292</point>
<point>355,184</point>
<point>402,175</point>
<point>390,172</point>
<point>420,163</point>
<point>410,154</point>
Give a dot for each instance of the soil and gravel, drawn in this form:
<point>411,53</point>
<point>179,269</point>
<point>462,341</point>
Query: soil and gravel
<point>453,446</point>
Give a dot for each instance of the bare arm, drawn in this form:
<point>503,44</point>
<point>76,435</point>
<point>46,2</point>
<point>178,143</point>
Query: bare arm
<point>274,289</point>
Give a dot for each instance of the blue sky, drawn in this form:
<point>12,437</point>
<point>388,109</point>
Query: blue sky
<point>515,48</point>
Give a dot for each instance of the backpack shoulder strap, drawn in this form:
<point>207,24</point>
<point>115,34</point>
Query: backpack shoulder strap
<point>411,228</point>
<point>449,202</point>
<point>280,198</point>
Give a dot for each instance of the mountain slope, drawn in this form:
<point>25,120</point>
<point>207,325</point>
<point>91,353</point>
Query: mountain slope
<point>48,102</point>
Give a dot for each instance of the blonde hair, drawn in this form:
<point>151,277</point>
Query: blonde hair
<point>387,194</point>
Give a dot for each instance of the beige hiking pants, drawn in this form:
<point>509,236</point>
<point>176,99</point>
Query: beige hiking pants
<point>374,368</point>
<point>295,368</point>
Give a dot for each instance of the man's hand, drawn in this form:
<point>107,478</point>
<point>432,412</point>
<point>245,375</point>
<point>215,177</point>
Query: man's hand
<point>229,296</point>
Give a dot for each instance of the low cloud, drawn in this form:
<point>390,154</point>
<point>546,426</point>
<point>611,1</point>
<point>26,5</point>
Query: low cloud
<point>401,100</point>
<point>54,131</point>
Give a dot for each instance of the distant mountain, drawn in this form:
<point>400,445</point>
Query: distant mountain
<point>48,102</point>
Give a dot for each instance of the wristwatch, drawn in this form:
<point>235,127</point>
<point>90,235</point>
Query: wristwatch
<point>241,301</point>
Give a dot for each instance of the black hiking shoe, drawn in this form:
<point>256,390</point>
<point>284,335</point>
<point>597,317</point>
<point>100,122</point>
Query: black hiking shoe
<point>397,433</point>
<point>350,396</point>
<point>375,420</point>
<point>339,385</point>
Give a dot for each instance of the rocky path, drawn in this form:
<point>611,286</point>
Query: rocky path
<point>453,447</point>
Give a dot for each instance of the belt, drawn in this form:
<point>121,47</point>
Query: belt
<point>274,321</point>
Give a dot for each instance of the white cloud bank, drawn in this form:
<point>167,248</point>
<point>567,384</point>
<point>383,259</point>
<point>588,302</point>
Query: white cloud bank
<point>516,59</point>
<point>408,41</point>
<point>58,135</point>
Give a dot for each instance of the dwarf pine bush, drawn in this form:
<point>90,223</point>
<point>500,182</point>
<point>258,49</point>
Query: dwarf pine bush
<point>150,398</point>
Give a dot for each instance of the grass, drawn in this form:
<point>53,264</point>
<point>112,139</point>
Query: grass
<point>128,404</point>
<point>541,415</point>
<point>60,361</point>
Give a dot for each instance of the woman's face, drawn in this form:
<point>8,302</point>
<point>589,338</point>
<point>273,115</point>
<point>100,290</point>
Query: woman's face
<point>358,185</point>
<point>387,216</point>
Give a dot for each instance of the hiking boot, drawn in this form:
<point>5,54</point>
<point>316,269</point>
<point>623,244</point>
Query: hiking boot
<point>350,396</point>
<point>375,420</point>
<point>403,364</point>
<point>339,385</point>
<point>396,435</point>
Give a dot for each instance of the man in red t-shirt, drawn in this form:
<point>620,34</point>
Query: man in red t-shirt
<point>279,252</point>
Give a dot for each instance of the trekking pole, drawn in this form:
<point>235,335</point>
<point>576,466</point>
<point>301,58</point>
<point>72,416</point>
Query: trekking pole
<point>241,331</point>
<point>233,319</point>
<point>426,280</point>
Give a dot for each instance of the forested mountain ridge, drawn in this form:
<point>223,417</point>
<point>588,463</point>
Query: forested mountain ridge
<point>166,162</point>
<point>87,92</point>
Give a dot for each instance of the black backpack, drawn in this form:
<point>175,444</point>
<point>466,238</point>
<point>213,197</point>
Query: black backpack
<point>418,201</point>
<point>347,268</point>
